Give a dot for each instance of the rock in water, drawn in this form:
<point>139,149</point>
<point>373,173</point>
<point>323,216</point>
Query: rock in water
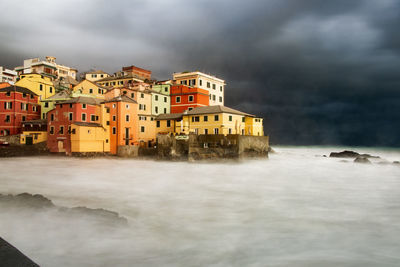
<point>344,154</point>
<point>362,160</point>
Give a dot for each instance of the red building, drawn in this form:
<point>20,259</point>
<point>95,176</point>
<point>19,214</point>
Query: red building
<point>17,104</point>
<point>59,120</point>
<point>187,98</point>
<point>141,73</point>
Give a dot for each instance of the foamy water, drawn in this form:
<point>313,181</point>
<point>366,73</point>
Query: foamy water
<point>295,209</point>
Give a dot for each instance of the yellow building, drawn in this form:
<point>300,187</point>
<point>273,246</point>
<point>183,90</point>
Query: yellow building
<point>89,137</point>
<point>89,88</point>
<point>210,120</point>
<point>41,85</point>
<point>94,76</point>
<point>33,132</point>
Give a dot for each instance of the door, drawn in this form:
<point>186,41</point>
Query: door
<point>127,136</point>
<point>29,140</point>
<point>61,146</point>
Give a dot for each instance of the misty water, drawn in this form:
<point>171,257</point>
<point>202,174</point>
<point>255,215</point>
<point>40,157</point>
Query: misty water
<point>296,208</point>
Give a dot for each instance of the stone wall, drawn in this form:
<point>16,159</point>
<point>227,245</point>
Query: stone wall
<point>128,151</point>
<point>172,147</point>
<point>207,147</point>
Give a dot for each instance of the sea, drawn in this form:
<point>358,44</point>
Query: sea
<point>299,207</point>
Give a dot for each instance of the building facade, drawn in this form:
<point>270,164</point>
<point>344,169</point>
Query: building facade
<point>215,86</point>
<point>92,89</point>
<point>94,76</point>
<point>123,122</point>
<point>160,99</point>
<point>17,105</point>
<point>33,132</point>
<point>210,120</point>
<point>185,98</point>
<point>41,85</point>
<point>78,125</point>
<point>8,76</point>
<point>142,74</point>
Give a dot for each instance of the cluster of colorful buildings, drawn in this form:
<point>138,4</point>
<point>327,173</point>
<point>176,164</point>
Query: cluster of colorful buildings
<point>43,102</point>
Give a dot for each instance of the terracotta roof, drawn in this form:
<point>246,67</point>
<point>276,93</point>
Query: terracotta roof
<point>121,98</point>
<point>83,100</point>
<point>216,109</point>
<point>172,116</point>
<point>89,124</point>
<point>19,89</point>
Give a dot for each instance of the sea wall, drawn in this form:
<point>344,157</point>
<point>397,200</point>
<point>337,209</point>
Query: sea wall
<point>207,147</point>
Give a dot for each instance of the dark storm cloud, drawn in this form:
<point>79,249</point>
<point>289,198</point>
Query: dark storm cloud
<point>320,72</point>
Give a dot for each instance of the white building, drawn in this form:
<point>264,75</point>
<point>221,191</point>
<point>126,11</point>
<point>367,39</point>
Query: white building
<point>49,67</point>
<point>8,76</point>
<point>214,85</point>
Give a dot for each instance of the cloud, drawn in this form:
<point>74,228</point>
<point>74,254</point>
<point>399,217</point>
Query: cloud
<point>297,56</point>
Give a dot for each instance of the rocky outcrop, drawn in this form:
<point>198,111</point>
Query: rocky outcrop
<point>40,203</point>
<point>350,154</point>
<point>361,159</point>
<point>11,256</point>
<point>39,149</point>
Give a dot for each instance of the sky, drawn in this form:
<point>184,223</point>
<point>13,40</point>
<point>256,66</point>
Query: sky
<point>319,72</point>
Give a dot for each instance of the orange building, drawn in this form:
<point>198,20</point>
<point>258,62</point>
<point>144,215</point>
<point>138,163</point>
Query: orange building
<point>187,98</point>
<point>142,73</point>
<point>123,122</point>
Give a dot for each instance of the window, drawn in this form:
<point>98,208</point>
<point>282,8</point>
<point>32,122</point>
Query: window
<point>194,82</point>
<point>23,95</point>
<point>83,116</point>
<point>99,91</point>
<point>83,106</point>
<point>51,89</point>
<point>93,117</point>
<point>106,141</point>
<point>144,107</point>
<point>156,109</point>
<point>216,131</point>
<point>70,116</point>
<point>178,99</point>
<point>124,92</point>
<point>114,105</point>
<point>51,129</point>
<point>205,131</point>
<point>7,105</point>
<point>200,82</point>
<point>32,96</point>
<point>229,131</point>
<point>158,124</point>
<point>127,106</point>
<point>230,117</point>
<point>213,97</point>
<point>46,104</point>
<point>127,118</point>
<point>243,119</point>
<point>61,105</point>
<point>216,118</point>
<point>214,86</point>
<point>220,88</point>
<point>190,108</point>
<point>34,108</point>
<point>140,107</point>
<point>52,117</point>
<point>142,129</point>
<point>220,99</point>
<point>205,118</point>
<point>70,105</point>
<point>141,95</point>
<point>166,89</point>
<point>132,95</point>
<point>23,118</point>
<point>165,110</point>
<point>61,130</point>
<point>41,87</point>
<point>107,122</point>
<point>8,118</point>
<point>168,123</point>
<point>208,84</point>
<point>8,93</point>
<point>165,99</point>
<point>114,130</point>
<point>69,129</point>
<point>195,119</point>
<point>156,97</point>
<point>114,118</point>
<point>191,98</point>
